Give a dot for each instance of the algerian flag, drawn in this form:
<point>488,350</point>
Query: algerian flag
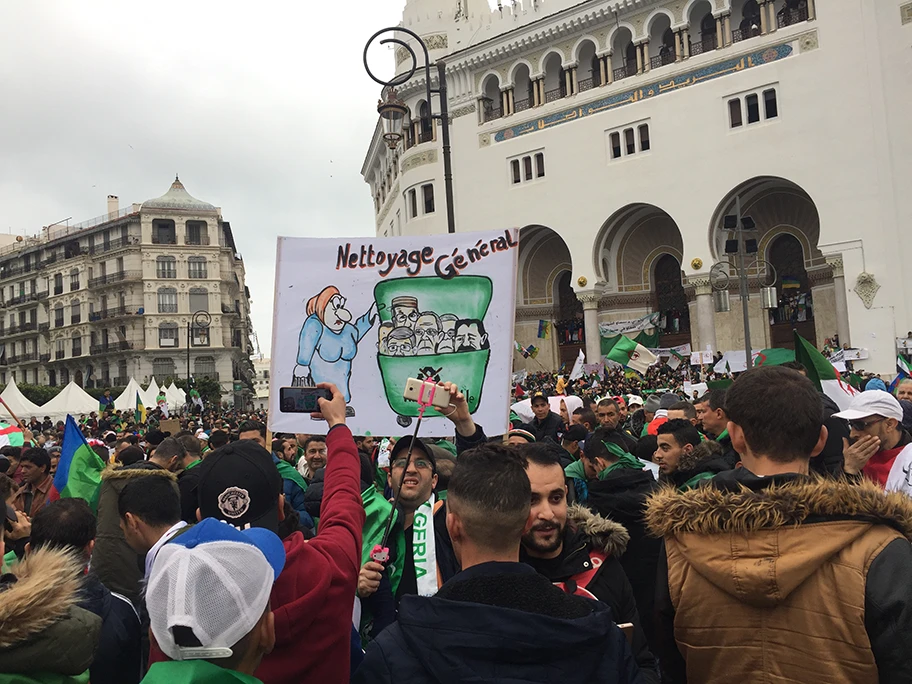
<point>774,357</point>
<point>577,371</point>
<point>903,366</point>
<point>632,354</point>
<point>675,359</point>
<point>822,373</point>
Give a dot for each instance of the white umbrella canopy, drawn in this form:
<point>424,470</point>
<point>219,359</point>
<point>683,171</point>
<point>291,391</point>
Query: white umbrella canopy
<point>523,408</point>
<point>19,404</point>
<point>72,400</point>
<point>127,399</point>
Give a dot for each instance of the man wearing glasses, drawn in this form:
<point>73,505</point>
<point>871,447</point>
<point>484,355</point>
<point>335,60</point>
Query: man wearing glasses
<point>877,444</point>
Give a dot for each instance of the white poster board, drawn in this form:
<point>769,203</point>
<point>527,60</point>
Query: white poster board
<point>367,314</point>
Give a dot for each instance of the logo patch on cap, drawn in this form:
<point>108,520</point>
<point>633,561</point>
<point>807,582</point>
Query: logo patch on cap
<point>234,502</point>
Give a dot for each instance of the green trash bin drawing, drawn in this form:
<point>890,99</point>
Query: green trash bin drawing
<point>433,329</point>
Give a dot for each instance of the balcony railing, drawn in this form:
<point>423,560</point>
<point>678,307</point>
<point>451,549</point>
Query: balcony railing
<point>77,351</point>
<point>664,59</point>
<point>205,374</point>
<point>787,17</point>
<point>167,308</point>
<point>59,354</point>
<point>164,239</point>
<point>44,327</point>
<point>554,95</point>
<point>522,105</point>
<point>115,312</point>
<point>75,319</point>
<point>111,347</point>
<point>626,71</point>
<point>708,44</point>
<point>588,84</point>
<point>31,357</point>
<point>117,277</point>
<point>115,244</point>
<point>58,323</point>
<point>426,136</point>
<point>58,289</point>
<point>493,113</point>
<point>196,240</point>
<point>44,358</point>
<point>197,274</point>
<point>20,328</point>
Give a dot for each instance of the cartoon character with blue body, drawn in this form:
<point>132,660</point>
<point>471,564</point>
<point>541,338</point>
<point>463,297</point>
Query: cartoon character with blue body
<point>328,342</point>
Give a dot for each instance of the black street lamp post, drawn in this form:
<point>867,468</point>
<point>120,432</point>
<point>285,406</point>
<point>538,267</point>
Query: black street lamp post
<point>393,110</point>
<point>198,322</point>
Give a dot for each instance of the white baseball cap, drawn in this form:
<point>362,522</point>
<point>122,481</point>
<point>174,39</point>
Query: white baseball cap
<point>634,399</point>
<point>872,403</point>
<point>215,580</point>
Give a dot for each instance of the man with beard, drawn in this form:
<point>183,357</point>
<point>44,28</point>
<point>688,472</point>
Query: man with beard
<point>471,335</point>
<point>579,550</point>
<point>314,457</point>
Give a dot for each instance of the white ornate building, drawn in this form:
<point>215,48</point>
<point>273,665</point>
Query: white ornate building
<point>618,134</point>
<point>111,298</point>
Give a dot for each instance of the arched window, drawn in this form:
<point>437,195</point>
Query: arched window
<point>671,300</point>
<point>77,344</point>
<point>196,267</point>
<point>163,368</point>
<point>427,125</point>
<point>74,280</point>
<point>75,315</point>
<point>163,232</point>
<point>167,300</point>
<point>197,233</point>
<point>166,267</point>
<point>58,316</point>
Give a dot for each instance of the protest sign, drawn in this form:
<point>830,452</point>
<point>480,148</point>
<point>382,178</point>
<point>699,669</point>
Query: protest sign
<point>367,314</point>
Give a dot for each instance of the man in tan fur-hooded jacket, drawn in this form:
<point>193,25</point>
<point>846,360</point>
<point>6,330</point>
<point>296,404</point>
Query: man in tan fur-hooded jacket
<point>44,635</point>
<point>775,575</point>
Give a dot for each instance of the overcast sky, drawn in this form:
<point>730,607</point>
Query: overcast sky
<point>263,109</point>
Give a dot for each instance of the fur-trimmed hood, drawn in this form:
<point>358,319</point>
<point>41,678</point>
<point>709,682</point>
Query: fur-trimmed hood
<point>41,627</point>
<point>604,534</point>
<point>794,526</point>
<point>116,471</point>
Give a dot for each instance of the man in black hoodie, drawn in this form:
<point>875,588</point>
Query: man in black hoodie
<point>498,618</point>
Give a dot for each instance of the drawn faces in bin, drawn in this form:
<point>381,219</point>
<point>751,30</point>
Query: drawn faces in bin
<point>413,332</point>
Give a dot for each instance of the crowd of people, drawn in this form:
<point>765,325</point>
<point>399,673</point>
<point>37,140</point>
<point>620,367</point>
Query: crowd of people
<point>754,533</point>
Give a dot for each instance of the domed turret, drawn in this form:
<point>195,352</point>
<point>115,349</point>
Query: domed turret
<point>177,198</point>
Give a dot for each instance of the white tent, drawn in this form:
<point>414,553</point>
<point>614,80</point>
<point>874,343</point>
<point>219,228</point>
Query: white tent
<point>523,408</point>
<point>150,395</point>
<point>72,400</point>
<point>22,407</point>
<point>175,397</point>
<point>127,399</point>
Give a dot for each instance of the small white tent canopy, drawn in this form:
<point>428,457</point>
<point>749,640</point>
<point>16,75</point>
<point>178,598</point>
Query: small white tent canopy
<point>150,395</point>
<point>127,399</point>
<point>22,407</point>
<point>523,408</point>
<point>175,397</point>
<point>72,400</point>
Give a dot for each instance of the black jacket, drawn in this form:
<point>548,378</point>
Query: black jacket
<point>830,461</point>
<point>499,622</point>
<point>188,483</point>
<point>587,532</point>
<point>550,428</point>
<point>119,656</point>
<point>888,599</point>
<point>728,452</point>
<point>622,497</point>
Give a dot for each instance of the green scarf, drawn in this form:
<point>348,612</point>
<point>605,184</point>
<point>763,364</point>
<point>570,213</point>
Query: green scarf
<point>289,472</point>
<point>576,470</point>
<point>694,481</point>
<point>722,435</point>
<point>194,464</point>
<point>625,461</point>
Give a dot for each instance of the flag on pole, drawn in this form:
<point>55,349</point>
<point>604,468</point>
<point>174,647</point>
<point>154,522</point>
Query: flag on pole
<point>544,330</point>
<point>577,371</point>
<point>140,412</point>
<point>79,470</point>
<point>10,435</point>
<point>774,357</point>
<point>631,354</point>
<point>905,372</point>
<point>823,374</point>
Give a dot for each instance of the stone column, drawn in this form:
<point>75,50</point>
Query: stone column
<point>706,315</point>
<point>603,78</point>
<point>609,71</point>
<point>568,82</point>
<point>686,40</point>
<point>720,43</point>
<point>764,20</point>
<point>480,110</point>
<point>812,10</point>
<point>727,22</point>
<point>646,62</point>
<point>639,53</point>
<point>590,302</point>
<point>574,80</point>
<point>842,304</point>
<point>679,55</point>
<point>773,19</point>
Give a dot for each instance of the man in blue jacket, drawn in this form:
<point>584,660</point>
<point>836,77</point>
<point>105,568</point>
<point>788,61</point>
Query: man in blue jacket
<point>498,619</point>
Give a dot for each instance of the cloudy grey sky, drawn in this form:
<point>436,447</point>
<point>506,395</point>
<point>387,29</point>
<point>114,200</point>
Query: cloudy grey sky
<point>263,108</point>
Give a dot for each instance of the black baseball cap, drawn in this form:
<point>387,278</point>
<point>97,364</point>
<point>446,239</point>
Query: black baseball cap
<point>539,396</point>
<point>576,433</point>
<point>401,448</point>
<point>156,437</point>
<point>239,484</point>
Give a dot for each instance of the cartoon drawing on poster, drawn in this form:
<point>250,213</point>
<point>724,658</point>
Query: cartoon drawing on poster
<point>329,342</point>
<point>438,308</point>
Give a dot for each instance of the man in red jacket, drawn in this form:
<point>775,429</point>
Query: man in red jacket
<point>313,597</point>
